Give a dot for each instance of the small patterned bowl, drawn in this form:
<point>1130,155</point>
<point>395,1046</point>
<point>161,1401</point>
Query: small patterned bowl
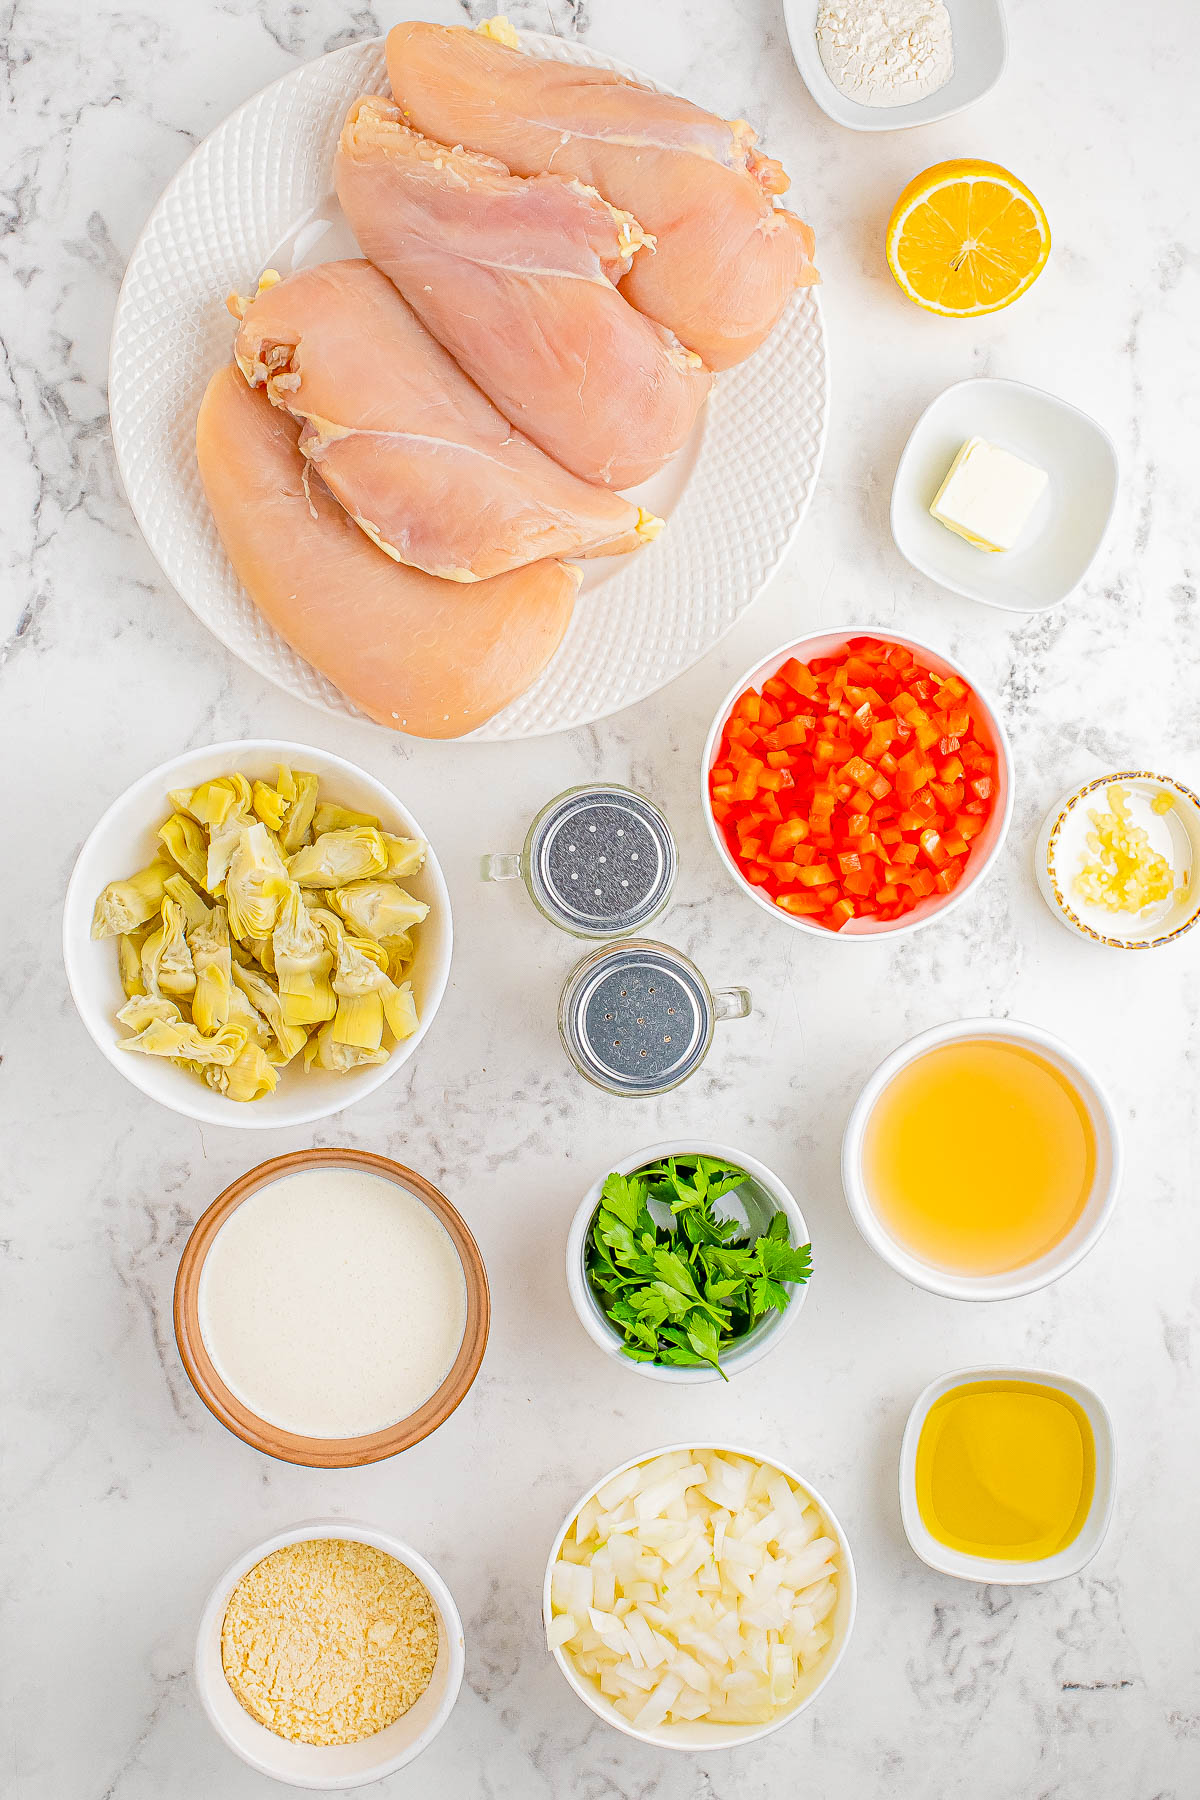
<point>1062,849</point>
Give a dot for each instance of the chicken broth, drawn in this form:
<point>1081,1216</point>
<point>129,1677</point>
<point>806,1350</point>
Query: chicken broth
<point>979,1156</point>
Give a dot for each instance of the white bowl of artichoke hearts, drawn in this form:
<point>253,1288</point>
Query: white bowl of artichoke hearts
<point>257,934</point>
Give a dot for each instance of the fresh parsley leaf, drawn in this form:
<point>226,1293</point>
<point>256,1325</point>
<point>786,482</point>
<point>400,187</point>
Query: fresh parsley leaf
<point>623,1197</point>
<point>765,1294</point>
<point>781,1262</point>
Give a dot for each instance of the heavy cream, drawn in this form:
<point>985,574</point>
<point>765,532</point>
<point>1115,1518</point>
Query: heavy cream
<point>332,1302</point>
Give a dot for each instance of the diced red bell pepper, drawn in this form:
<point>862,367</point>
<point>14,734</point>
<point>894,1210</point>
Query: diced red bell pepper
<point>854,785</point>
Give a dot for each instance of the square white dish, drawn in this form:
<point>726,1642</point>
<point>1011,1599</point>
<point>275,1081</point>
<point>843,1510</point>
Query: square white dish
<point>1067,526</point>
<point>980,53</point>
<point>1078,1553</point>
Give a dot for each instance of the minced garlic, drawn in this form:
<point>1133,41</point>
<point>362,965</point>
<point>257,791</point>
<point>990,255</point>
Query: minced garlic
<point>329,1641</point>
<point>1128,873</point>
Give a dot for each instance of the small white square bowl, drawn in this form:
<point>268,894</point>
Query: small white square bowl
<point>1078,1553</point>
<point>1066,530</point>
<point>980,53</point>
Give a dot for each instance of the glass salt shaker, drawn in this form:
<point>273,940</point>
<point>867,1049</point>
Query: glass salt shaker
<point>637,1017</point>
<point>598,861</point>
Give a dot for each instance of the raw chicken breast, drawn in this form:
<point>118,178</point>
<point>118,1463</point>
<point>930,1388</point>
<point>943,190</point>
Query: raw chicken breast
<point>516,279</point>
<point>415,453</point>
<point>432,658</point>
<point>727,258</point>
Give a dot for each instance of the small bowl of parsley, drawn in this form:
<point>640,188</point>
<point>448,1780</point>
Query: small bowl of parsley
<point>688,1261</point>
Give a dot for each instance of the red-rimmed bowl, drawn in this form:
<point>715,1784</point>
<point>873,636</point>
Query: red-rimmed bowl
<point>986,846</point>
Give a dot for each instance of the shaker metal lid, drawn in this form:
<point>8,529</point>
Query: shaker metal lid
<point>602,861</point>
<point>640,1019</point>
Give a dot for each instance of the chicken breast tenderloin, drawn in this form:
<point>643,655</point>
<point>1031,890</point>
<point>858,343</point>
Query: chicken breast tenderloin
<point>418,456</point>
<point>516,278</point>
<point>727,259</point>
<point>428,657</point>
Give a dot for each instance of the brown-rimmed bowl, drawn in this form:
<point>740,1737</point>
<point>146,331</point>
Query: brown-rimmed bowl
<point>292,1447</point>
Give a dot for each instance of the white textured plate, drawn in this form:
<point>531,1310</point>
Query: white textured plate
<point>734,497</point>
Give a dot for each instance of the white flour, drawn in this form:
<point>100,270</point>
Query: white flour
<point>886,54</point>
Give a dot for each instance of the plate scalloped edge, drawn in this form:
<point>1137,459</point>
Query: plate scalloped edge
<point>237,198</point>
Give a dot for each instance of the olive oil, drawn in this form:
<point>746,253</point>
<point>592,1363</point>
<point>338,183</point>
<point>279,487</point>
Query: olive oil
<point>979,1156</point>
<point>1005,1469</point>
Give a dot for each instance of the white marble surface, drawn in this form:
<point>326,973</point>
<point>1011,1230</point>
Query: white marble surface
<point>123,1497</point>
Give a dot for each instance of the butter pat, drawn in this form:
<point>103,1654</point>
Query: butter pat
<point>988,495</point>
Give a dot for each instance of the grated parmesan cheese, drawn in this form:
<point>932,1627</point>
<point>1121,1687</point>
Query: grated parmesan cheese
<point>329,1641</point>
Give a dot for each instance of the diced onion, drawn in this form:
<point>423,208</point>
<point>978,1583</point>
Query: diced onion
<point>696,1586</point>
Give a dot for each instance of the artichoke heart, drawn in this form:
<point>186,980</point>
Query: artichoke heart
<point>213,962</point>
<point>160,1035</point>
<point>244,1013</point>
<point>337,857</point>
<point>401,1011</point>
<point>195,909</point>
<point>377,909</point>
<point>129,961</point>
<point>340,818</point>
<point>358,1022</point>
<point>269,805</point>
<point>213,803</point>
<point>271,923</point>
<point>184,839</point>
<point>400,953</point>
<point>124,905</point>
<point>223,841</point>
<point>405,856</point>
<point>367,996</point>
<point>299,789</point>
<point>256,884</point>
<point>167,966</point>
<point>303,960</point>
<point>248,1077</point>
<point>289,1039</point>
<point>324,1052</point>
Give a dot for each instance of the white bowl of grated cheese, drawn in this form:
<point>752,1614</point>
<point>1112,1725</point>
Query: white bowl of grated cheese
<point>330,1767</point>
<point>873,66</point>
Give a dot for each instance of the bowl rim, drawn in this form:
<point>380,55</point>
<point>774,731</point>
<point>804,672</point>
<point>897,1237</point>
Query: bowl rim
<point>297,1447</point>
<point>356,1531</point>
<point>660,1736</point>
<point>1045,866</point>
<point>936,575</point>
<point>760,671</point>
<point>206,1106</point>
<point>1010,1284</point>
<point>992,1570</point>
<point>859,117</point>
<point>766,1334</point>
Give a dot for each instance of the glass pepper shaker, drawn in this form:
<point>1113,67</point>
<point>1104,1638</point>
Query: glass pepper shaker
<point>637,1017</point>
<point>598,861</point>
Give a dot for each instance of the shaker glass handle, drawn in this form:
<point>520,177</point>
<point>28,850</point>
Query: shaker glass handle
<point>732,1003</point>
<point>504,866</point>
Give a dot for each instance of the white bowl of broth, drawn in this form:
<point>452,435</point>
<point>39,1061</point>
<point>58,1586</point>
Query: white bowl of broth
<point>982,1159</point>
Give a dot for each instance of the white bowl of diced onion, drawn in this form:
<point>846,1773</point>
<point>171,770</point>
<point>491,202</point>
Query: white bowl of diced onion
<point>124,840</point>
<point>757,1614</point>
